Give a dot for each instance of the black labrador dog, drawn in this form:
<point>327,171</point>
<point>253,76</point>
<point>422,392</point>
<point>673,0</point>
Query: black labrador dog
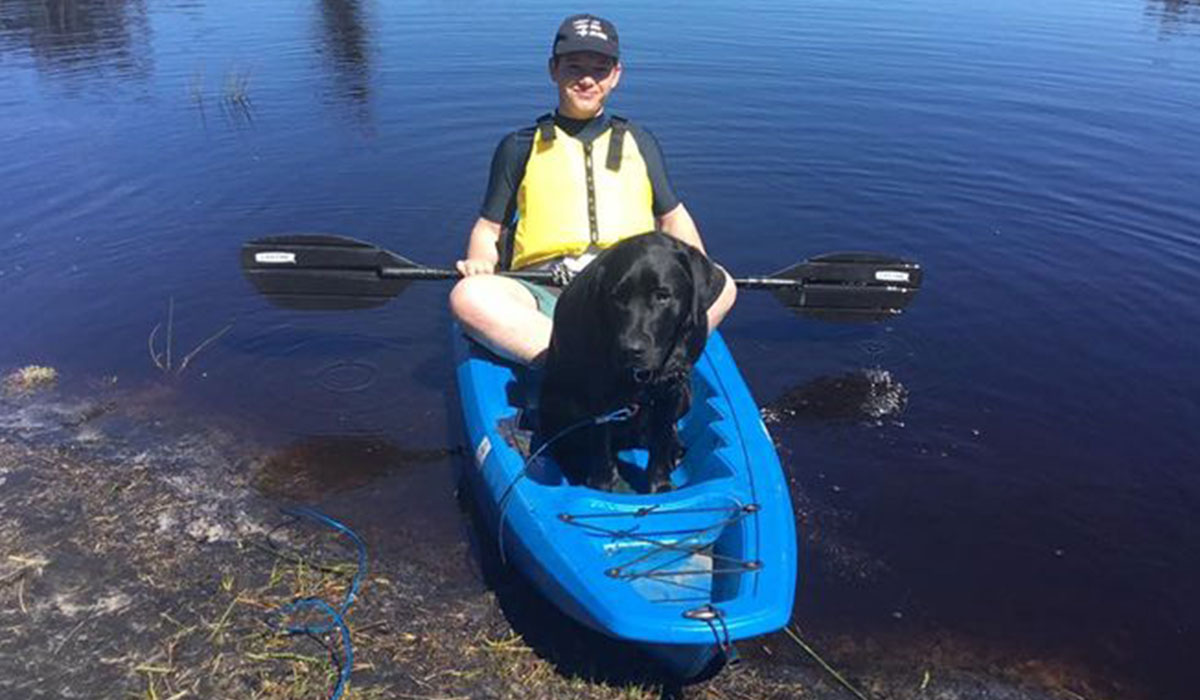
<point>627,331</point>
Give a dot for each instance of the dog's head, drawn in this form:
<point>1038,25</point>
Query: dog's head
<point>656,291</point>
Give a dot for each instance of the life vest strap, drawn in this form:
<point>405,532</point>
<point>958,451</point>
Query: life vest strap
<point>615,142</point>
<point>545,125</point>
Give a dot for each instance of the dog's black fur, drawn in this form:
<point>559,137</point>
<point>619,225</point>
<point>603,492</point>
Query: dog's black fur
<point>627,330</point>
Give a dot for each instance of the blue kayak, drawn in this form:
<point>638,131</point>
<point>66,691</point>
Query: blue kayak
<point>682,574</point>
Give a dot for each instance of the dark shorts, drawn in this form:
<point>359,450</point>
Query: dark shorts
<point>546,297</point>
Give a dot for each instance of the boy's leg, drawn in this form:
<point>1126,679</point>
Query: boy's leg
<point>724,302</point>
<point>502,315</point>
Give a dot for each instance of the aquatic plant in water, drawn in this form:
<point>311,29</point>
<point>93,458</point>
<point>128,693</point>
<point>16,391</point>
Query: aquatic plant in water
<point>29,379</point>
<point>163,360</point>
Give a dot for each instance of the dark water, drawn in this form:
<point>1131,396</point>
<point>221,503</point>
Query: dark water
<point>1037,497</point>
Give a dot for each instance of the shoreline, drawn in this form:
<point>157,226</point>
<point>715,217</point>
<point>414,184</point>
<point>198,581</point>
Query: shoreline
<point>146,563</point>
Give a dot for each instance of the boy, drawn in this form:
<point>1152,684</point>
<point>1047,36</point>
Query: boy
<point>577,182</point>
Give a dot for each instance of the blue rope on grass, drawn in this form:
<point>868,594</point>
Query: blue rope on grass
<point>346,663</point>
<point>335,615</point>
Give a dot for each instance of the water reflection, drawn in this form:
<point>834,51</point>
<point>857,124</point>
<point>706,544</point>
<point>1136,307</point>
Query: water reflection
<point>80,38</point>
<point>345,45</point>
<point>1175,16</point>
<point>314,467</point>
<point>230,93</point>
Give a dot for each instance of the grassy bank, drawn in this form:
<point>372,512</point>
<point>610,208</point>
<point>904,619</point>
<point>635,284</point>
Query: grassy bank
<point>150,568</point>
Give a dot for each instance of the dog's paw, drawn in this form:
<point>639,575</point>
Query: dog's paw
<point>607,482</point>
<point>662,485</point>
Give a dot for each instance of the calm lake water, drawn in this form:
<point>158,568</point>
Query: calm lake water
<point>1038,497</point>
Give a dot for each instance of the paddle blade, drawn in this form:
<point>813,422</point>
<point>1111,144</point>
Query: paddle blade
<point>850,286</point>
<point>320,271</point>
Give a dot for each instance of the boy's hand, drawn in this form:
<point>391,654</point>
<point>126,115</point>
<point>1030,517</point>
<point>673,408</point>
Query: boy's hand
<point>475,266</point>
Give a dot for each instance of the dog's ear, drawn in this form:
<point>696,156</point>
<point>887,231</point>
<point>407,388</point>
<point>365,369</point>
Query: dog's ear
<point>707,282</point>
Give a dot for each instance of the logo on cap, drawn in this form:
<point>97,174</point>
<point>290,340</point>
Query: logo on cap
<point>589,27</point>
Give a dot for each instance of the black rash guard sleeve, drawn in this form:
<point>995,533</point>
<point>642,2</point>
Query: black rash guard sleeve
<point>665,198</point>
<point>508,168</point>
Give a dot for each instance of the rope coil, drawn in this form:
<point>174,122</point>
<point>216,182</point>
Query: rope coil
<point>336,616</point>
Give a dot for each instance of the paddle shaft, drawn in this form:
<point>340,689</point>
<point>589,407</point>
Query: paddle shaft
<point>548,278</point>
<point>439,273</point>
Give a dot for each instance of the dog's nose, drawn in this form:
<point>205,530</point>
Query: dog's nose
<point>635,351</point>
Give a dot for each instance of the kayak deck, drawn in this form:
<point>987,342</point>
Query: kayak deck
<point>682,572</point>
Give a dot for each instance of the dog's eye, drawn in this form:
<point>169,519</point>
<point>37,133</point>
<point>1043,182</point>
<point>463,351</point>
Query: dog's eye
<point>662,295</point>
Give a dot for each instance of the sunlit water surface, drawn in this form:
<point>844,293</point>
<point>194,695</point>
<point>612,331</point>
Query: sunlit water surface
<point>1036,497</point>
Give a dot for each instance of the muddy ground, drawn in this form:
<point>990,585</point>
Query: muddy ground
<point>142,554</point>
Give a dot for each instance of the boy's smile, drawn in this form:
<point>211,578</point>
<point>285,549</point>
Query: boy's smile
<point>585,79</point>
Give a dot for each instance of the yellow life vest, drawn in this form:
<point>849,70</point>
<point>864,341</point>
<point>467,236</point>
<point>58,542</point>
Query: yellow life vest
<point>575,194</point>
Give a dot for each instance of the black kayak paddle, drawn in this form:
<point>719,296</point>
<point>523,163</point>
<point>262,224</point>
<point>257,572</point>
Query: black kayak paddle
<point>323,271</point>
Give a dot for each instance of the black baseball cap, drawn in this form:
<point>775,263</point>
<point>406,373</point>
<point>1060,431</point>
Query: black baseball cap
<point>586,33</point>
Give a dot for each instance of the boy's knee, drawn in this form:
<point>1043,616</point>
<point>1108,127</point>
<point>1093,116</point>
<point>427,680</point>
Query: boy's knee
<point>724,301</point>
<point>466,299</point>
<point>730,292</point>
<point>480,299</point>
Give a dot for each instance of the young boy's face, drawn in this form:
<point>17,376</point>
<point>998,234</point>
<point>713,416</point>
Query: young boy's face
<point>585,80</point>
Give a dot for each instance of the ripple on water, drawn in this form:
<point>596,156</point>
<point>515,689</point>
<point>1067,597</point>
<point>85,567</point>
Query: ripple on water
<point>322,382</point>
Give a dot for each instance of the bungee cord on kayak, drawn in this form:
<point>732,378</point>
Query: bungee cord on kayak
<point>738,512</point>
<point>688,547</point>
